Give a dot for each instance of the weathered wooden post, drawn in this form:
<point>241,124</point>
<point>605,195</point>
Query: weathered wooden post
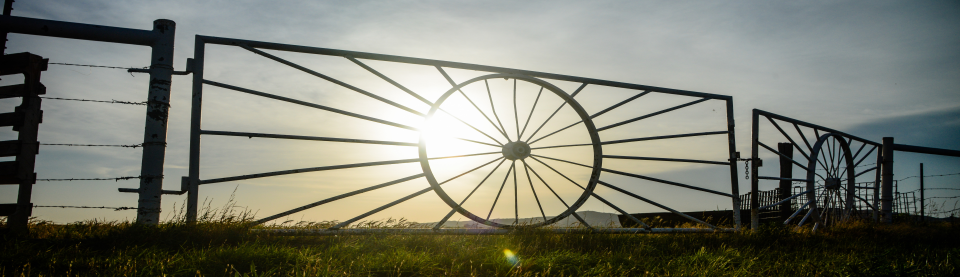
<point>786,172</point>
<point>923,214</point>
<point>886,186</point>
<point>26,120</point>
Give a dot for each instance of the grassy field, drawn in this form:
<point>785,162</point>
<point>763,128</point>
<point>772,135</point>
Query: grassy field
<point>226,248</point>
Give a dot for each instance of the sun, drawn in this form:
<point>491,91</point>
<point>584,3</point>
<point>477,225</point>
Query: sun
<point>444,137</point>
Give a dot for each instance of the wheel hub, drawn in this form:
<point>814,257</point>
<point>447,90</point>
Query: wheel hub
<point>516,150</point>
<point>832,183</point>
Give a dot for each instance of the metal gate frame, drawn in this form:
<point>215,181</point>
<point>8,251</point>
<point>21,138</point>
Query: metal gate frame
<point>756,144</point>
<point>883,200</point>
<point>192,182</point>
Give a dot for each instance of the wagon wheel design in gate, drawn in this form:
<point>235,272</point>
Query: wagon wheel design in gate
<point>830,180</point>
<point>828,191</point>
<point>516,153</point>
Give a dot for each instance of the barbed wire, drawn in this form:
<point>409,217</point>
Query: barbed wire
<point>108,145</point>
<point>100,66</point>
<point>100,101</point>
<point>117,179</point>
<point>944,197</point>
<point>933,189</point>
<point>89,207</point>
<point>947,212</point>
<point>939,175</point>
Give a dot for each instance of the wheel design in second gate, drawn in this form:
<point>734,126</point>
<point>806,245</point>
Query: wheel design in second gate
<point>830,175</point>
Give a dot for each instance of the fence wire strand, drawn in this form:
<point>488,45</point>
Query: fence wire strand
<point>948,212</point>
<point>938,175</point>
<point>934,189</point>
<point>99,101</point>
<point>89,207</point>
<point>107,145</point>
<point>100,66</point>
<point>116,179</point>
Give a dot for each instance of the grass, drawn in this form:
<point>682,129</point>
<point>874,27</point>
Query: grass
<point>226,248</point>
<point>222,245</point>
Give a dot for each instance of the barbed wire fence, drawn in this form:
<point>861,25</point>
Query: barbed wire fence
<point>934,207</point>
<point>133,146</point>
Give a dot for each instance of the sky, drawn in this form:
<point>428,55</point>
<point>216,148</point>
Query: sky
<point>870,68</point>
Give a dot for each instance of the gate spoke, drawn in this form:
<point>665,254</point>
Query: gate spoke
<point>527,170</point>
<point>261,135</point>
<point>505,177</point>
<point>666,182</point>
<point>303,170</point>
<point>494,109</point>
<point>281,98</point>
<point>401,200</point>
<point>555,112</point>
<point>650,115</point>
<point>471,126</point>
<point>804,137</point>
<point>657,204</point>
<point>557,131</point>
<point>561,146</point>
<point>516,197</point>
<point>596,114</point>
<point>865,171</point>
<point>452,211</point>
<point>516,116</point>
<point>784,156</point>
<point>385,78</point>
<point>665,137</point>
<point>822,164</point>
<point>797,212</point>
<point>444,73</point>
<point>855,155</point>
<point>461,156</point>
<point>484,143</point>
<point>865,155</point>
<point>566,161</point>
<point>531,114</point>
<point>335,198</point>
<point>381,208</point>
<point>332,80</point>
<point>620,104</point>
<point>582,221</point>
<point>790,139</point>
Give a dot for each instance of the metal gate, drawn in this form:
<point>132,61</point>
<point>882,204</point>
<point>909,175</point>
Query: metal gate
<point>830,191</point>
<point>516,149</point>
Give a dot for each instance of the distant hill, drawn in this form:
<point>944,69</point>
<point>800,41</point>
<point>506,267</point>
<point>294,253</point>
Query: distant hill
<point>596,219</point>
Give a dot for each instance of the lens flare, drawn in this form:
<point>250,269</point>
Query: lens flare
<point>511,258</point>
